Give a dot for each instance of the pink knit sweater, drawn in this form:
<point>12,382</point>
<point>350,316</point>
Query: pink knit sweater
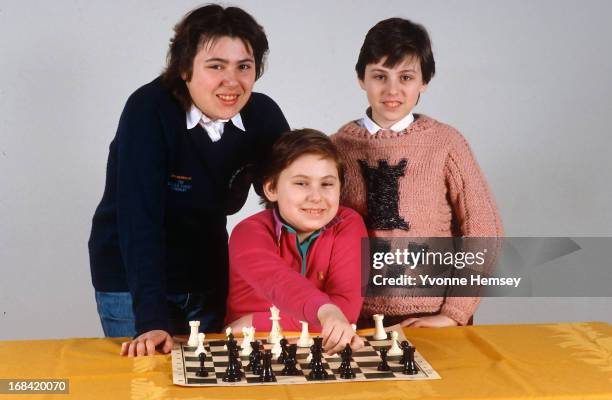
<point>440,192</point>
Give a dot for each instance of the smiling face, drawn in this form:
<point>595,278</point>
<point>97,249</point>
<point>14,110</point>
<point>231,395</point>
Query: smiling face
<point>222,78</point>
<point>307,193</point>
<point>392,92</point>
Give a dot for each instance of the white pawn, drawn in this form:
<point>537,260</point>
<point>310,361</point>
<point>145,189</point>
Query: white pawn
<point>394,350</point>
<point>200,348</point>
<point>193,337</point>
<point>305,340</point>
<point>379,333</point>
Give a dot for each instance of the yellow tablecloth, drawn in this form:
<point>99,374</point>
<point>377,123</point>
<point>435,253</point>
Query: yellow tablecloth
<point>545,361</point>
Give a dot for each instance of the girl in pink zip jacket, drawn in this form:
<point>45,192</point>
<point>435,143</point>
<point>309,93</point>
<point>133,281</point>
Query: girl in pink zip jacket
<point>301,254</point>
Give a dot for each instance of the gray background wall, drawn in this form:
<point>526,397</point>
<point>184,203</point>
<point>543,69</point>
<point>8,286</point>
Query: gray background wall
<point>528,83</point>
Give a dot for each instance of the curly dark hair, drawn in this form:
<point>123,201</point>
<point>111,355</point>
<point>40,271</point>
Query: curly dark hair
<point>198,28</point>
<point>396,39</point>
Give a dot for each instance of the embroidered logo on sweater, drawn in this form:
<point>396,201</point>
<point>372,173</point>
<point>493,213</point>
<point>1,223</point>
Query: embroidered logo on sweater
<point>382,188</point>
<point>179,183</point>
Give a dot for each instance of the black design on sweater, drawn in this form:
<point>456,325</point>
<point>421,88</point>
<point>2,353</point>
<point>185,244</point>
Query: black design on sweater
<point>382,188</point>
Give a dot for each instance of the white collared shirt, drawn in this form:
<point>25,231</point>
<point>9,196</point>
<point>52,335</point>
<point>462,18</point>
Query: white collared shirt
<point>373,127</point>
<point>214,128</point>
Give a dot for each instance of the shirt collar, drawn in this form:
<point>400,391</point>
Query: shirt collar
<point>279,224</point>
<point>373,127</point>
<point>194,116</point>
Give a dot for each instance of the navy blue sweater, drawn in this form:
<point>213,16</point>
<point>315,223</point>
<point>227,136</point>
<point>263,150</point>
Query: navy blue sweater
<point>161,224</point>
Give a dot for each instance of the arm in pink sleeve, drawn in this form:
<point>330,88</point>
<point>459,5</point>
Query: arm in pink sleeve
<point>476,212</point>
<point>343,285</point>
<point>254,256</point>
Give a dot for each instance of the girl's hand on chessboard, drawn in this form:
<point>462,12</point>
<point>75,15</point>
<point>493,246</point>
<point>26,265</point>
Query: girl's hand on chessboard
<point>336,330</point>
<point>431,321</point>
<point>145,344</point>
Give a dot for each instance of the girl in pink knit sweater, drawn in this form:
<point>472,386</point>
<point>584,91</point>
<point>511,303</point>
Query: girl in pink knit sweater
<point>408,174</point>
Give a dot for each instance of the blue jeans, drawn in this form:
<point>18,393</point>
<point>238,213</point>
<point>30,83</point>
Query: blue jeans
<point>117,316</point>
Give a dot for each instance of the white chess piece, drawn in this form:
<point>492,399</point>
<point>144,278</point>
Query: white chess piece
<point>277,349</point>
<point>394,350</point>
<point>379,333</point>
<point>200,348</point>
<point>305,340</point>
<point>248,337</point>
<point>228,331</point>
<point>193,337</point>
<point>276,333</point>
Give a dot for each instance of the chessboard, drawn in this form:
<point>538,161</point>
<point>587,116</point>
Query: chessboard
<point>364,363</point>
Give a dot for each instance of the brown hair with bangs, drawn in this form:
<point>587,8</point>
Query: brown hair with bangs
<point>291,146</point>
<point>203,26</point>
<point>396,39</point>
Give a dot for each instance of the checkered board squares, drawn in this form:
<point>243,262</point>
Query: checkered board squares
<point>364,363</point>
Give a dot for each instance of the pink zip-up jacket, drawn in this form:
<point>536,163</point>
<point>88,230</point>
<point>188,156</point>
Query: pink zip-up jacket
<point>265,266</point>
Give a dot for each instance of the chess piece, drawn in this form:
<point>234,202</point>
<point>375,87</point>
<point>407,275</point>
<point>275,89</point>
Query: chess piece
<point>228,333</point>
<point>317,370</point>
<point>283,345</point>
<point>277,349</point>
<point>232,372</point>
<point>410,367</point>
<point>305,340</point>
<point>394,350</point>
<point>317,347</point>
<point>254,359</point>
<point>202,371</point>
<point>200,349</point>
<point>276,332</point>
<point>346,371</point>
<point>193,336</point>
<point>383,366</point>
<point>248,337</point>
<point>404,345</point>
<point>290,361</point>
<point>267,375</point>
<point>379,333</point>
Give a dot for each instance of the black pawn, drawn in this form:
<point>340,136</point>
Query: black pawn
<point>283,343</point>
<point>346,371</point>
<point>290,362</point>
<point>202,371</point>
<point>254,356</point>
<point>267,375</point>
<point>410,367</point>
<point>383,366</point>
<point>404,345</point>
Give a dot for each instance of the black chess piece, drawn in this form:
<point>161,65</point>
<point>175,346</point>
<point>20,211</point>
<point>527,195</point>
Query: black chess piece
<point>410,367</point>
<point>383,366</point>
<point>232,372</point>
<point>254,352</point>
<point>290,362</point>
<point>346,371</point>
<point>283,343</point>
<point>317,370</point>
<point>404,345</point>
<point>267,375</point>
<point>317,347</point>
<point>202,371</point>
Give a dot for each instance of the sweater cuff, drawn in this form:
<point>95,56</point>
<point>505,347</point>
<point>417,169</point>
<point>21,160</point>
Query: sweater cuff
<point>455,313</point>
<point>311,308</point>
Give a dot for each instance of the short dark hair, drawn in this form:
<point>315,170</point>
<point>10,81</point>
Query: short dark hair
<point>199,27</point>
<point>294,144</point>
<point>396,39</point>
